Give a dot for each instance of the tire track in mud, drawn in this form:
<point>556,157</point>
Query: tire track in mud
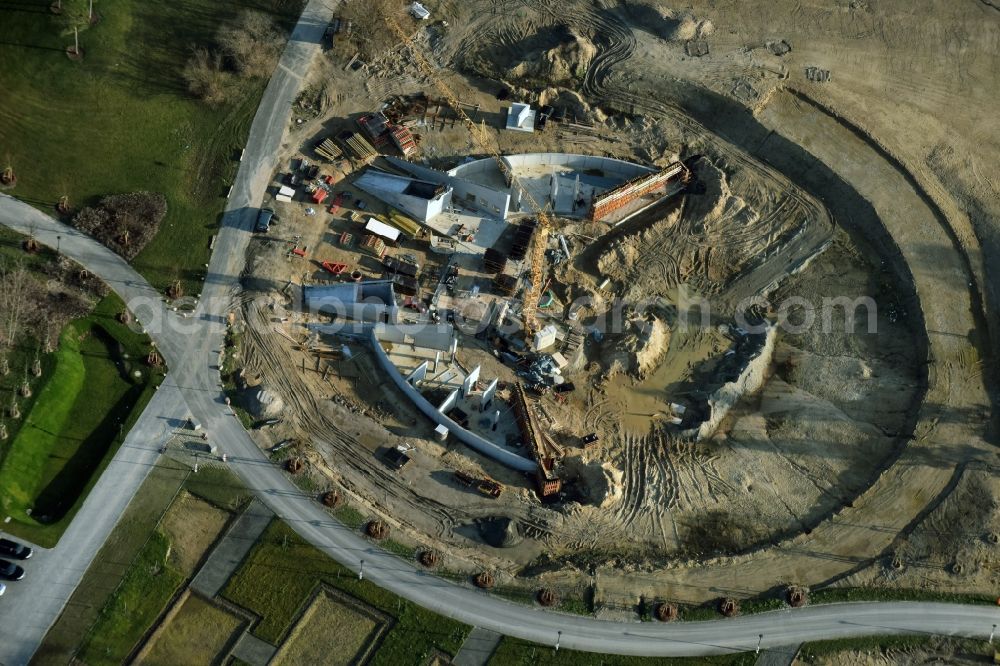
<point>270,358</point>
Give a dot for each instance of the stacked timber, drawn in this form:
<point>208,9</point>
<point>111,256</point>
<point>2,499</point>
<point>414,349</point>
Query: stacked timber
<point>374,245</point>
<point>328,150</point>
<point>358,146</point>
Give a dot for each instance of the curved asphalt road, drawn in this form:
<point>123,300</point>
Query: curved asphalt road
<point>191,346</point>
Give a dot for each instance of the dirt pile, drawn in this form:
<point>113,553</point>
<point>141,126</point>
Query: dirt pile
<point>563,63</point>
<point>557,55</point>
<point>640,348</point>
<point>672,25</point>
<point>599,483</point>
<point>500,532</point>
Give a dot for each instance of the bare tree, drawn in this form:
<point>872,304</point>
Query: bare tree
<point>75,16</point>
<point>14,288</point>
<point>252,43</point>
<point>205,76</point>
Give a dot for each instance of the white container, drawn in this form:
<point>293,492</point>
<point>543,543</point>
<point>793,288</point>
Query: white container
<point>545,338</point>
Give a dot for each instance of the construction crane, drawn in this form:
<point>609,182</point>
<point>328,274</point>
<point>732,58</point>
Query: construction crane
<point>537,256</point>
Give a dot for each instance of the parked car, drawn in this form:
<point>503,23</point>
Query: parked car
<point>10,571</point>
<point>14,549</point>
<point>264,218</point>
<point>3,588</point>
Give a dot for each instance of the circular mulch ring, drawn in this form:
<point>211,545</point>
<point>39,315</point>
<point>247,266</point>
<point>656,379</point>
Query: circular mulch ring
<point>331,498</point>
<point>62,207</point>
<point>729,607</point>
<point>8,179</point>
<point>30,246</point>
<point>666,612</point>
<point>797,596</point>
<point>547,597</point>
<point>485,580</point>
<point>429,558</point>
<point>294,465</point>
<point>376,529</point>
<point>73,54</point>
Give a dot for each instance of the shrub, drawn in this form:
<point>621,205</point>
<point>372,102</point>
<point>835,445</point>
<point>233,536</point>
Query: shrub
<point>124,223</point>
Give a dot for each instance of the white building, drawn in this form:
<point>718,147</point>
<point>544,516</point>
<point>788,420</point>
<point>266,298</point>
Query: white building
<point>418,11</point>
<point>421,199</point>
<point>371,301</point>
<point>521,117</point>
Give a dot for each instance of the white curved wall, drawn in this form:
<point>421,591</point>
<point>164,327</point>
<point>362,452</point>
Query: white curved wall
<point>484,446</point>
<point>611,167</point>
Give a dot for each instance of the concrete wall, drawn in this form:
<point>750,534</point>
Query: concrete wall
<point>340,300</point>
<point>726,396</point>
<point>488,200</point>
<point>430,336</point>
<point>611,167</point>
<point>484,446</point>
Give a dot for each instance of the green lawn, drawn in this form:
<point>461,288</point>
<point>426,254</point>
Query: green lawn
<point>280,574</point>
<point>969,650</point>
<point>144,592</point>
<point>76,422</point>
<point>515,652</point>
<point>122,120</point>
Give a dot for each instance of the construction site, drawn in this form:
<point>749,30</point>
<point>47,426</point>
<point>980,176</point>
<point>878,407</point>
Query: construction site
<point>609,298</point>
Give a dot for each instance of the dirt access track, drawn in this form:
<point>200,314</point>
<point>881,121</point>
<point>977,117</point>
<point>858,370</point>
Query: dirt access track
<point>945,439</point>
<point>868,191</point>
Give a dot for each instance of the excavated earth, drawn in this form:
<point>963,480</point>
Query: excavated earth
<point>869,439</point>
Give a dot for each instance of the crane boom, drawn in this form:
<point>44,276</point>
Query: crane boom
<point>537,256</point>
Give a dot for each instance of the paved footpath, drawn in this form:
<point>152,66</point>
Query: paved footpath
<point>478,647</point>
<point>231,550</point>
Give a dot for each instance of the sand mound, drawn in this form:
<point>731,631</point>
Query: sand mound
<point>500,532</point>
<point>679,29</point>
<point>262,403</point>
<point>566,99</point>
<point>564,63</point>
<point>639,349</point>
<point>600,483</point>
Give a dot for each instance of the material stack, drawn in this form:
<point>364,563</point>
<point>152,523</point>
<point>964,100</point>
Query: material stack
<point>358,146</point>
<point>328,150</point>
<point>505,284</point>
<point>374,245</point>
<point>403,139</point>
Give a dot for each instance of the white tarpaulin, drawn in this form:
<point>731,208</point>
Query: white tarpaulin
<point>382,229</point>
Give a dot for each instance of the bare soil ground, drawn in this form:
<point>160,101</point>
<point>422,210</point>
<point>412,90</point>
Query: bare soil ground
<point>857,439</point>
